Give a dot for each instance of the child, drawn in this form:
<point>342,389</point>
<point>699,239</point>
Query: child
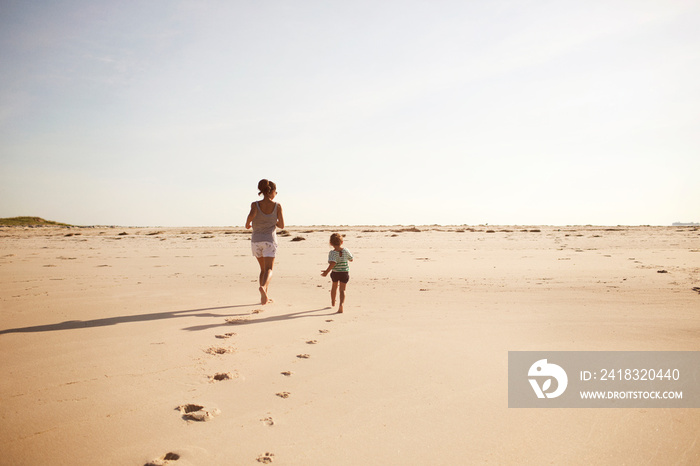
<point>338,262</point>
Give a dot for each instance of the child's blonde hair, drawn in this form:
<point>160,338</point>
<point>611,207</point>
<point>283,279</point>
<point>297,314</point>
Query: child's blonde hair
<point>337,241</point>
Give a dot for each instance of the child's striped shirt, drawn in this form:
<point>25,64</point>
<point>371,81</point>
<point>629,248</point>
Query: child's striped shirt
<point>341,262</point>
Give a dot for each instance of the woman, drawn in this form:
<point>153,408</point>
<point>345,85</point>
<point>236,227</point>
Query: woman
<point>265,217</point>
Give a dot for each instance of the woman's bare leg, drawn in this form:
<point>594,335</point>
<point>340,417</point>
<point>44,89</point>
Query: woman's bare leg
<point>266,264</point>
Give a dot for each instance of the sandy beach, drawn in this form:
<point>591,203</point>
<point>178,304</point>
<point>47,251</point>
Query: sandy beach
<point>137,346</point>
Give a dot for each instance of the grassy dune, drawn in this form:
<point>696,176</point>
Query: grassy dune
<point>28,221</point>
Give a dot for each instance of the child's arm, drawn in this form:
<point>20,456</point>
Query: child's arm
<point>331,264</point>
<point>251,215</point>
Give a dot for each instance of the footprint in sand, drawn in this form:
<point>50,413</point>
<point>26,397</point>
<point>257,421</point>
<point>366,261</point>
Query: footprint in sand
<point>193,412</point>
<point>267,458</point>
<point>221,376</point>
<point>303,356</point>
<point>329,320</point>
<point>324,331</point>
<point>312,342</point>
<point>268,421</point>
<point>164,460</point>
<point>286,373</point>
<point>257,311</point>
<point>236,320</point>
<point>219,350</point>
<point>226,335</point>
<point>283,394</point>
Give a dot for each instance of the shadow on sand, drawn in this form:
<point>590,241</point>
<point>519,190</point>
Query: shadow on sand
<point>78,324</point>
<point>205,312</point>
<point>278,318</point>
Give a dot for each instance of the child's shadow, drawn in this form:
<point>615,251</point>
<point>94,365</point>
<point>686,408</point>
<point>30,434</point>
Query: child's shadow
<point>264,320</point>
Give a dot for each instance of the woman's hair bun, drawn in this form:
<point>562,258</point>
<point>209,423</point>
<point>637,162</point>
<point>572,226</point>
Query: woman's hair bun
<point>266,187</point>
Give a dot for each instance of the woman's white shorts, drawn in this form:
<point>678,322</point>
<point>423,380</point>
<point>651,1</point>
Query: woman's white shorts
<point>263,248</point>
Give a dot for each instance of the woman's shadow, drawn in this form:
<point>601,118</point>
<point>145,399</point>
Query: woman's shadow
<point>80,324</point>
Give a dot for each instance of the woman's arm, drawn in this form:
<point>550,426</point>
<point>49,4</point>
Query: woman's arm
<point>251,215</point>
<point>280,217</point>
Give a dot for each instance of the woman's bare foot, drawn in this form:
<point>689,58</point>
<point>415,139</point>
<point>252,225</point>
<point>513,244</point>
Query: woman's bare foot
<point>340,309</point>
<point>263,296</point>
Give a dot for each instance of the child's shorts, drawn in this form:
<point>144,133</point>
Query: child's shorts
<point>263,248</point>
<point>342,277</point>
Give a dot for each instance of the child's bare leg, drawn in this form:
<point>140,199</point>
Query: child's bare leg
<point>342,297</point>
<point>334,290</point>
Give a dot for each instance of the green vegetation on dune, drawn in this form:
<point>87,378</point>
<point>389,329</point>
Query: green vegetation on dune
<point>28,221</point>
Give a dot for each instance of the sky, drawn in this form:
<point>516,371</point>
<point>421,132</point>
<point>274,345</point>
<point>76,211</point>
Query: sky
<point>169,112</point>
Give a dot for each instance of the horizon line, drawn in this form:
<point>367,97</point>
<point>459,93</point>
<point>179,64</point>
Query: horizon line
<point>454,225</point>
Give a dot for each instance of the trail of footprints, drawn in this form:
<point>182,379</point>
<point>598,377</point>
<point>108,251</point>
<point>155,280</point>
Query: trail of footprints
<point>199,413</point>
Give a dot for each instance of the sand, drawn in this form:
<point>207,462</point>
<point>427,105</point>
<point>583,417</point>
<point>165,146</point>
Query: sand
<point>149,346</point>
